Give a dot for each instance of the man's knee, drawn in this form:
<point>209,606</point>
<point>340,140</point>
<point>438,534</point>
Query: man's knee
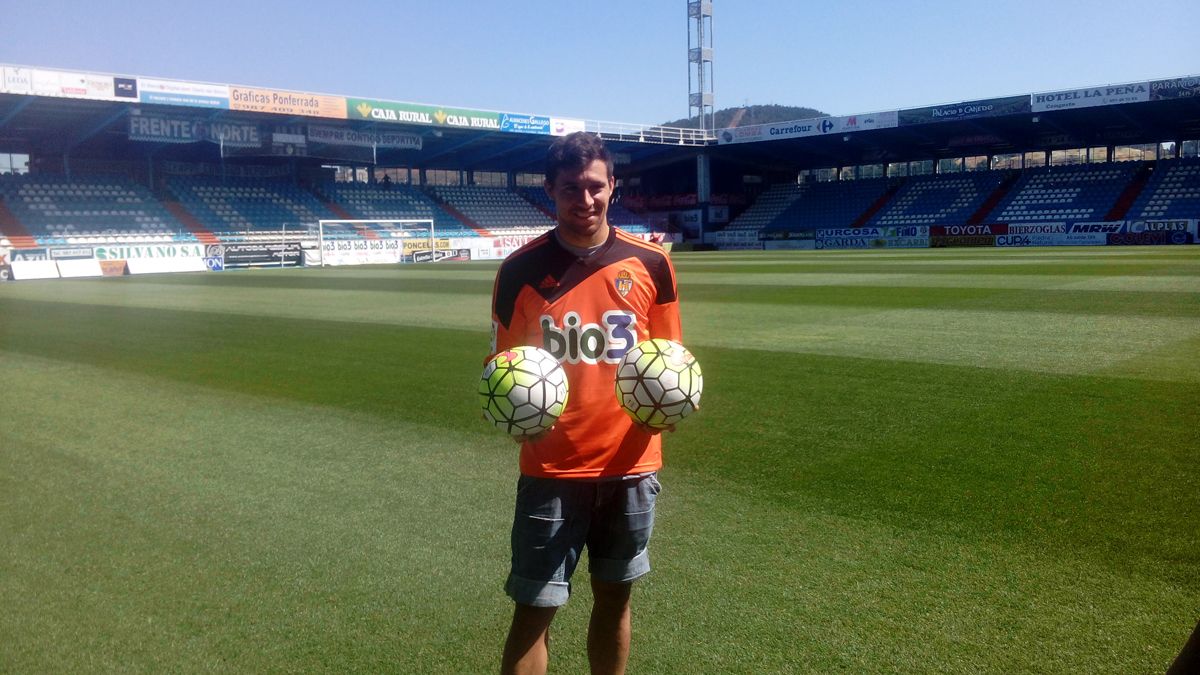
<point>611,593</point>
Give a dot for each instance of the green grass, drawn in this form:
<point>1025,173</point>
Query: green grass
<point>925,461</point>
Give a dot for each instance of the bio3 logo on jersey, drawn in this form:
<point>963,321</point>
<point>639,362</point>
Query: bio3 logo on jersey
<point>578,342</point>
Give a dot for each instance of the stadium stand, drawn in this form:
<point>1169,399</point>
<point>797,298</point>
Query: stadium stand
<point>1073,193</point>
<point>617,214</point>
<point>247,205</point>
<point>829,205</point>
<point>1173,191</point>
<point>57,210</point>
<point>398,202</point>
<point>938,199</point>
<point>492,208</point>
<point>769,205</point>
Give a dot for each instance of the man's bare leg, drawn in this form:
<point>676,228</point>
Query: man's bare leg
<point>527,649</point>
<point>610,628</point>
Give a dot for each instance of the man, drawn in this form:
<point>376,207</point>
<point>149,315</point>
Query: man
<point>587,293</point>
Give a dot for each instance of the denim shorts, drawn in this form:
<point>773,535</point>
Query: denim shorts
<point>556,518</point>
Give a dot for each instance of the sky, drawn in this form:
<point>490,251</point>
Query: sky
<point>621,60</point>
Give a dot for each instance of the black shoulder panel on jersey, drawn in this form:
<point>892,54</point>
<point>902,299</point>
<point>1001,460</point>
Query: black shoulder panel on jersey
<point>540,264</point>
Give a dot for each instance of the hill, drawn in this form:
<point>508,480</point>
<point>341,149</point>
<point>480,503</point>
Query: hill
<point>754,114</point>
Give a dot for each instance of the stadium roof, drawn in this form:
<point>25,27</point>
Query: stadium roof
<point>91,115</point>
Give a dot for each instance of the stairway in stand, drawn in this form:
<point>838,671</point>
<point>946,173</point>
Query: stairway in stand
<point>203,234</point>
<point>13,230</point>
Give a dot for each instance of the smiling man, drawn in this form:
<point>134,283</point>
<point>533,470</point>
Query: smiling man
<point>587,293</point>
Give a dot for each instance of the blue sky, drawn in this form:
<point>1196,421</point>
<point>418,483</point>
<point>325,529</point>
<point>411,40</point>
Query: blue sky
<point>622,60</point>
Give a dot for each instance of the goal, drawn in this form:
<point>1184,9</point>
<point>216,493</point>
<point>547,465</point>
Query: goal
<point>375,242</point>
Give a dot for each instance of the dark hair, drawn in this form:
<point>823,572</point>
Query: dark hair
<point>575,151</point>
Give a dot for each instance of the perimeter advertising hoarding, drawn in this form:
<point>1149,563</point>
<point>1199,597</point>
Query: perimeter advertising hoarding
<point>865,242</point>
<point>1149,238</point>
<point>286,102</point>
<point>5,270</point>
<point>1180,87</point>
<point>962,241</point>
<point>968,230</point>
<point>410,113</point>
<point>966,110</point>
<point>360,251</point>
<point>1092,96</point>
<point>260,254</point>
<point>155,251</point>
<point>1188,225</point>
<point>818,126</point>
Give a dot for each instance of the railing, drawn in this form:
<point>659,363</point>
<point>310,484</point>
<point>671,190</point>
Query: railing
<point>643,133</point>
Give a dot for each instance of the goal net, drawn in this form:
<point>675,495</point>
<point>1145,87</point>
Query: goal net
<point>376,242</point>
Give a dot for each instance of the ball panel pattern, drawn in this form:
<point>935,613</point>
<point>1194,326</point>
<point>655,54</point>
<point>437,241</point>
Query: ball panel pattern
<point>659,383</point>
<point>523,390</point>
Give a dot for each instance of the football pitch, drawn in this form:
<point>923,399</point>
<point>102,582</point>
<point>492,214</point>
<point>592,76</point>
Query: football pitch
<point>906,461</point>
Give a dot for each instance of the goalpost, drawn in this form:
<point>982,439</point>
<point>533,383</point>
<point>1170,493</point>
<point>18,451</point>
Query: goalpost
<point>376,242</point>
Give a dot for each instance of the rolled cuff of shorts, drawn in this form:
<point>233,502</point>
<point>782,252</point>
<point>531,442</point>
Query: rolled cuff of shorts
<point>620,571</point>
<point>537,593</point>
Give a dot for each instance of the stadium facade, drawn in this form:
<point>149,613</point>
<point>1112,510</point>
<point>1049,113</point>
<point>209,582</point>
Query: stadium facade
<point>96,166</point>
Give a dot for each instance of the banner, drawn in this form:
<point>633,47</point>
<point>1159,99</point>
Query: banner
<point>158,128</point>
<point>219,257</point>
<point>286,102</point>
<point>155,251</point>
<point>410,113</point>
<point>1149,238</point>
<point>968,230</point>
<point>191,94</point>
<point>74,269</point>
<point>1015,240</point>
<point>1037,228</point>
<point>963,241</point>
<point>889,232</point>
<point>79,253</point>
<point>1102,227</point>
<point>16,80</point>
<point>34,269</point>
<point>73,85</point>
<point>524,124</point>
<point>817,126</point>
<point>869,242</point>
<point>560,126</point>
<point>1176,225</point>
<point>1180,87</point>
<point>28,254</point>
<point>991,107</point>
<point>1092,96</point>
<point>164,265</point>
<point>319,133</point>
<point>5,270</point>
<point>360,251</point>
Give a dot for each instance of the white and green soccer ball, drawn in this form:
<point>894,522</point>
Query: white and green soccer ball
<point>659,383</point>
<point>523,390</point>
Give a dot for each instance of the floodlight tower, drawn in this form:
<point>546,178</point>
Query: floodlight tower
<point>700,96</point>
<point>700,63</point>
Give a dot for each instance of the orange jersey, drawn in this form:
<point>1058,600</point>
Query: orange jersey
<point>588,313</point>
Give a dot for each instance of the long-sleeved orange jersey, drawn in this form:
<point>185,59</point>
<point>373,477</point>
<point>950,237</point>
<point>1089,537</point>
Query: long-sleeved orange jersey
<point>587,312</point>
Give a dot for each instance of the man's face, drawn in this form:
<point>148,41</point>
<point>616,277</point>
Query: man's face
<point>581,203</point>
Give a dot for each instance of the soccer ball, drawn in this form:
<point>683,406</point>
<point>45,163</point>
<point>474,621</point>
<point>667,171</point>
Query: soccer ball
<point>523,390</point>
<point>659,383</point>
